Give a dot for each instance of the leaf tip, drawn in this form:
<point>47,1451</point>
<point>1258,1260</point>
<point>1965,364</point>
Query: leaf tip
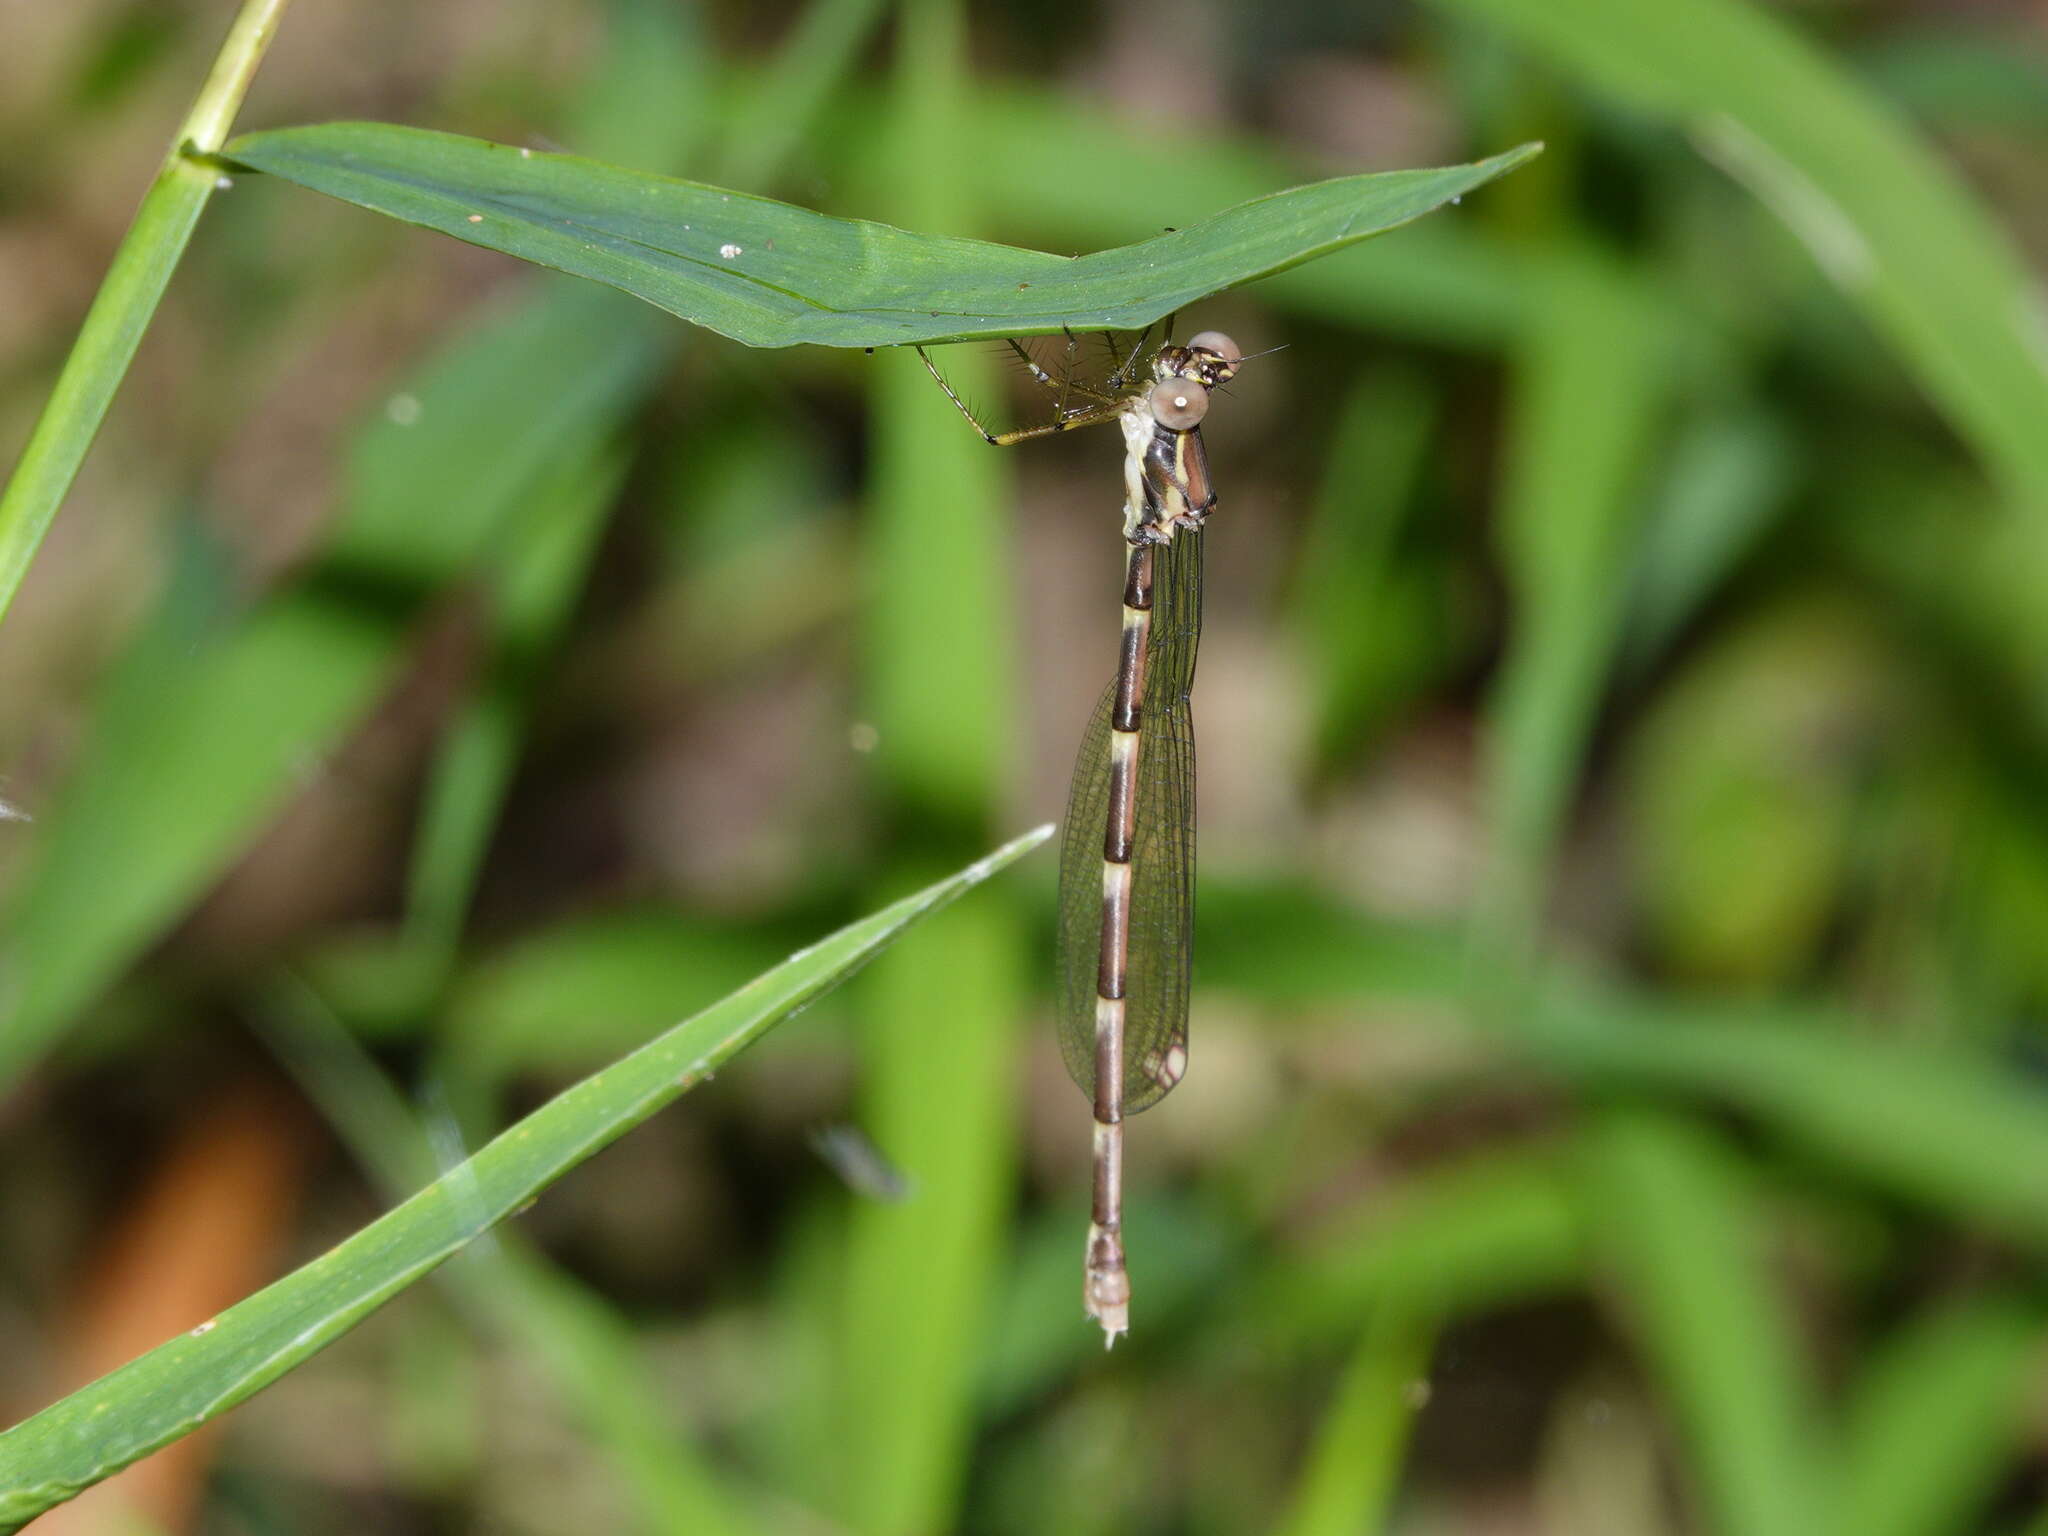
<point>1014,849</point>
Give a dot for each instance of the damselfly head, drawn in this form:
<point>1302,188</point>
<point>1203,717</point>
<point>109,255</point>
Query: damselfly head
<point>1210,358</point>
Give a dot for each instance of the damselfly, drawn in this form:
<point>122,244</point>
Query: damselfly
<point>1127,854</point>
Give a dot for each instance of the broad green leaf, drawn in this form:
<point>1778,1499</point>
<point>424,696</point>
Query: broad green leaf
<point>1444,281</point>
<point>772,275</point>
<point>196,1377</point>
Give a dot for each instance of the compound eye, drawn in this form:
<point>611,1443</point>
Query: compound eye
<point>1179,403</point>
<point>1218,343</point>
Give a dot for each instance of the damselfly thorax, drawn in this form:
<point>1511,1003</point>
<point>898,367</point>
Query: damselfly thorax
<point>1127,854</point>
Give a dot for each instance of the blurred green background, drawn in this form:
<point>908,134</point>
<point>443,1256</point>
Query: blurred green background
<point>1617,1101</point>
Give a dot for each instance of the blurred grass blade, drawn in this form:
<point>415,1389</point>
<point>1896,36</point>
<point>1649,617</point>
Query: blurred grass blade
<point>1951,1129</point>
<point>1347,1488</point>
<point>1494,1230</point>
<point>1589,380</point>
<point>1727,479</point>
<point>201,744</point>
<point>652,92</point>
<point>517,1008</point>
<point>1936,1417</point>
<point>1883,217</point>
<point>1680,1236</point>
<point>190,750</point>
<point>763,132</point>
<point>773,275</point>
<point>937,1037</point>
<point>194,1378</point>
<point>127,300</point>
<point>1288,942</point>
<point>1367,633</point>
<point>644,98</point>
<point>533,577</point>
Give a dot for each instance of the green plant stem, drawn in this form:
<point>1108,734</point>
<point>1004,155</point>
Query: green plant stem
<point>121,312</point>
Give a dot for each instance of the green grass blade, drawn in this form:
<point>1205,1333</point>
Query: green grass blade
<point>1933,1421</point>
<point>773,275</point>
<point>1883,217</point>
<point>113,329</point>
<point>1727,479</point>
<point>1680,1238</point>
<point>194,1378</point>
<point>1368,633</point>
<point>126,302</point>
<point>1588,396</point>
<point>1347,1488</point>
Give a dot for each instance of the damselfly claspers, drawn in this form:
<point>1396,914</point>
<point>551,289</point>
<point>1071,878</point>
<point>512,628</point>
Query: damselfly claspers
<point>1127,853</point>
